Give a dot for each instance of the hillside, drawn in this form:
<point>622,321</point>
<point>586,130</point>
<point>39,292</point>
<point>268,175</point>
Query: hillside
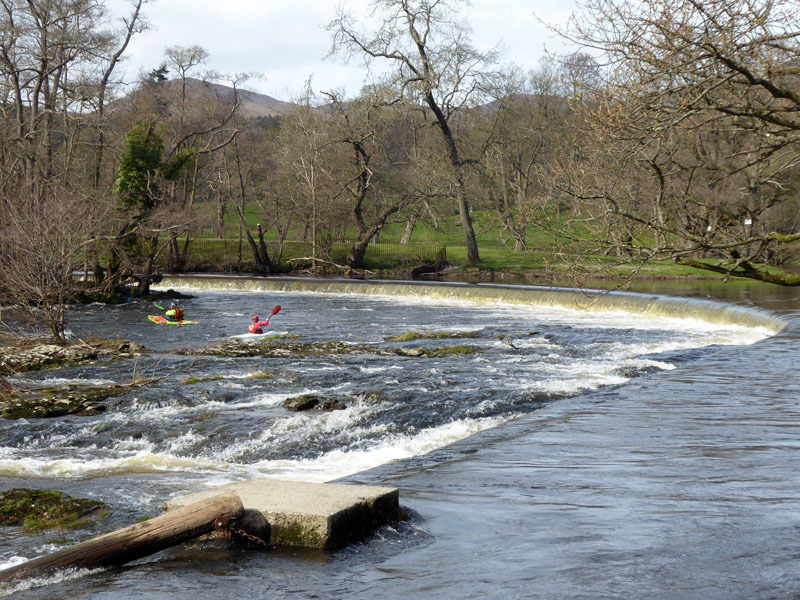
<point>166,95</point>
<point>253,103</point>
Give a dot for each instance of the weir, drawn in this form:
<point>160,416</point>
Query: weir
<point>568,298</point>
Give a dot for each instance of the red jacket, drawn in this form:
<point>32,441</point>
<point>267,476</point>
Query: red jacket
<point>256,327</point>
<point>174,314</point>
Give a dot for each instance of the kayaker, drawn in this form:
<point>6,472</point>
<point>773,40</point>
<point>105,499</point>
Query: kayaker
<point>255,326</point>
<point>174,313</point>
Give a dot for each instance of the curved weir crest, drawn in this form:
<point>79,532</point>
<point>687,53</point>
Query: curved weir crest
<point>652,305</point>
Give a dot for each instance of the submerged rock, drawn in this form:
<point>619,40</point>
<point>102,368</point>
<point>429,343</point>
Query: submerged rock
<point>55,402</point>
<point>279,348</point>
<point>273,348</point>
<point>441,335</point>
<point>32,403</point>
<point>16,358</point>
<point>45,509</point>
<point>311,401</point>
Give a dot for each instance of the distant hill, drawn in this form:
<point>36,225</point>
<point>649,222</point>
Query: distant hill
<point>208,95</point>
<point>253,104</point>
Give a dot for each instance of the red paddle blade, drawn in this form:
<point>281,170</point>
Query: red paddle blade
<point>275,310</point>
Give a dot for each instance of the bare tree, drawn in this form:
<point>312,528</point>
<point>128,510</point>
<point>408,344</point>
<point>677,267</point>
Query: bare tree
<point>312,155</point>
<point>57,59</point>
<point>435,63</point>
<point>695,130</point>
<point>41,43</point>
<point>238,174</point>
<point>523,130</point>
<point>40,247</point>
<point>183,59</point>
<point>132,25</point>
<point>359,130</point>
<point>420,171</point>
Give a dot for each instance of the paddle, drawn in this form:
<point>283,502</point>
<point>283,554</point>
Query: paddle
<point>272,314</point>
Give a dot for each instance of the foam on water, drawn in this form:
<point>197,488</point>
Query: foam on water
<point>29,583</point>
<point>329,466</point>
<point>157,432</point>
<point>584,301</point>
<point>52,382</point>
<point>137,462</point>
<point>340,463</point>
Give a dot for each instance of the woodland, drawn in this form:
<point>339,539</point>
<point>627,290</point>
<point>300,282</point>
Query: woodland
<point>670,133</point>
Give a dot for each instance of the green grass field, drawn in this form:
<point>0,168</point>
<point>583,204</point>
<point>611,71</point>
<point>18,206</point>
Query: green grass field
<point>572,261</point>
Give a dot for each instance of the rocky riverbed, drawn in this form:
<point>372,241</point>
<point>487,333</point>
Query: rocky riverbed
<point>84,400</point>
<point>28,355</point>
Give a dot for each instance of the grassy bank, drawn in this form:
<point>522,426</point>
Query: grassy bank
<point>571,263</point>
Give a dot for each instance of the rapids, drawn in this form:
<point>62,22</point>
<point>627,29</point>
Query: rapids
<point>212,420</point>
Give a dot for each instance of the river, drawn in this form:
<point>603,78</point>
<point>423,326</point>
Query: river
<point>572,454</point>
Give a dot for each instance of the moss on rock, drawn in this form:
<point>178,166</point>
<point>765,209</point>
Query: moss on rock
<point>412,335</point>
<point>36,510</point>
<point>261,375</point>
<point>56,402</point>
<point>193,380</point>
<point>452,350</point>
<point>32,356</point>
<point>288,349</point>
<point>278,348</point>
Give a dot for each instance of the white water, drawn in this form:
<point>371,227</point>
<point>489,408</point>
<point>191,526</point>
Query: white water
<point>522,351</point>
<point>542,349</point>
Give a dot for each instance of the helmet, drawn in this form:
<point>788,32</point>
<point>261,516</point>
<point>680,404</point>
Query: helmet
<point>255,318</point>
<point>173,305</point>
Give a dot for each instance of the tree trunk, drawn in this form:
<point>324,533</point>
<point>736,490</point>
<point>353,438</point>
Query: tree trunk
<point>136,541</point>
<point>143,286</point>
<point>263,264</point>
<point>409,229</point>
<point>222,203</point>
<point>470,241</point>
<point>355,258</point>
<point>473,257</point>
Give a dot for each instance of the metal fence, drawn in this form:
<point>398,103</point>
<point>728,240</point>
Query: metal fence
<point>210,254</point>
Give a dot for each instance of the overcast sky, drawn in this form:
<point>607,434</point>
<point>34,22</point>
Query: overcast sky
<point>286,41</point>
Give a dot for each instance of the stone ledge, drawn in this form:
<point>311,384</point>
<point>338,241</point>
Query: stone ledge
<point>310,515</point>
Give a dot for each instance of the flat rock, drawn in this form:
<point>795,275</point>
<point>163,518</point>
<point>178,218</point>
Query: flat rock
<point>311,515</point>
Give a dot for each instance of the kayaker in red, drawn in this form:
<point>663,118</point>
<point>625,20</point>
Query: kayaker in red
<point>255,326</point>
<point>174,313</point>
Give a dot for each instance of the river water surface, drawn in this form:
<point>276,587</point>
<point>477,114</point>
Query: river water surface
<point>570,454</point>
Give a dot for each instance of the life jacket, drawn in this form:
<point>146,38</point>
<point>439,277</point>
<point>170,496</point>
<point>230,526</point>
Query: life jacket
<point>254,328</point>
<point>178,314</point>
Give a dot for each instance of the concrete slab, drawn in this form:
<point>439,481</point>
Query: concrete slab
<point>310,515</point>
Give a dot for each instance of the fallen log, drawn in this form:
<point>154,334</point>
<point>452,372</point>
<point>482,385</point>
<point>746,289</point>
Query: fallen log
<point>136,541</point>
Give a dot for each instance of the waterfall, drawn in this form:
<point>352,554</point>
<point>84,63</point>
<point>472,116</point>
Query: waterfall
<point>568,298</point>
